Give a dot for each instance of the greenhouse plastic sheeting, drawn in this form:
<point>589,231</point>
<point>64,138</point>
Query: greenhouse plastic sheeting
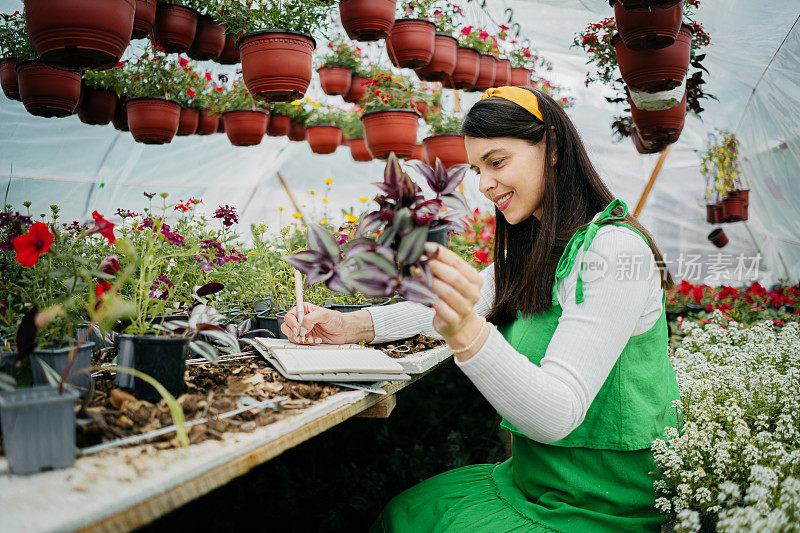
<point>754,71</point>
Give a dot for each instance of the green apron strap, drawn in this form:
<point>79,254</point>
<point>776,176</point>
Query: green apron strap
<point>584,237</point>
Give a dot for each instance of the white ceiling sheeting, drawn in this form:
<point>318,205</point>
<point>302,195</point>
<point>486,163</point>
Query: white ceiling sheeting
<point>754,64</point>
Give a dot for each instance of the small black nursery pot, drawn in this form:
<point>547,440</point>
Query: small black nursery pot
<point>79,373</point>
<point>161,358</point>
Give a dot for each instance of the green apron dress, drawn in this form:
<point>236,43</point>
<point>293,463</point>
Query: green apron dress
<point>598,478</point>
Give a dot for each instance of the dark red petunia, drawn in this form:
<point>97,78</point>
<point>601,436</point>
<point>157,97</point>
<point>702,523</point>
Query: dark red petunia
<point>110,265</point>
<point>33,244</point>
<point>100,289</point>
<point>103,227</point>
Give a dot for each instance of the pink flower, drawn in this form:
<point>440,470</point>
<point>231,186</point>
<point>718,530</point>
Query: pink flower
<point>483,35</point>
<point>466,31</point>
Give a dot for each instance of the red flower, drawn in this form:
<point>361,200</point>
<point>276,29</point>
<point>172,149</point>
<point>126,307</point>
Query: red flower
<point>103,227</point>
<point>191,92</point>
<point>100,289</point>
<point>33,244</point>
<point>466,31</point>
<point>110,265</point>
<point>483,35</point>
<point>183,62</point>
<point>208,76</point>
<point>121,64</point>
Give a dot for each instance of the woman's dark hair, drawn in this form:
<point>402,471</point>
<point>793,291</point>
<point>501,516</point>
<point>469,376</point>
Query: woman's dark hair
<point>573,194</point>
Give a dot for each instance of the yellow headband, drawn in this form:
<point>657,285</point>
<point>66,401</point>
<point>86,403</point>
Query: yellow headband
<point>522,97</point>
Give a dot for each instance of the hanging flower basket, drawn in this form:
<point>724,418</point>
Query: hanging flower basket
<point>78,34</point>
<point>278,125</point>
<point>660,100</point>
<point>667,123</point>
<point>335,80</point>
<point>412,42</point>
<point>153,120</point>
<point>419,154</point>
<point>655,70</point>
<point>449,148</point>
<point>644,6</point>
<point>486,73</point>
<point>714,213</point>
<point>221,126</point>
<point>502,73</point>
<point>120,119</point>
<point>245,127</point>
<point>188,121</point>
<point>357,89</point>
<point>734,208</point>
<point>207,123</point>
<point>144,18</point>
<point>468,64</point>
<point>718,237</point>
<point>388,131</point>
<point>443,61</point>
<point>324,139</point>
<point>97,106</point>
<point>175,27</point>
<point>521,77</point>
<point>367,20</point>
<point>8,78</point>
<point>297,131</point>
<point>650,30</point>
<point>47,91</point>
<point>209,39</point>
<point>230,52</point>
<point>647,146</point>
<point>422,108</point>
<point>359,151</point>
<point>276,64</point>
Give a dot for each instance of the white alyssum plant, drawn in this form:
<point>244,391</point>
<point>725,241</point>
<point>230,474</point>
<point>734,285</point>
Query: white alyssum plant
<point>736,459</point>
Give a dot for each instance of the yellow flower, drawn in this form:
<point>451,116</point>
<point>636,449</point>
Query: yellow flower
<point>280,209</point>
<point>324,220</point>
<point>328,181</point>
<point>297,215</point>
<point>363,199</point>
<point>311,192</point>
<point>325,200</point>
<point>351,218</point>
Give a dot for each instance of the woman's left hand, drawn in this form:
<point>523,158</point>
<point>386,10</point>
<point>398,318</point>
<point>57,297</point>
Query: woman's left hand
<point>458,286</point>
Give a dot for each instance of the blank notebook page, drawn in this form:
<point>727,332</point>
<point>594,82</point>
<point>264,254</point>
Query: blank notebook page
<point>322,360</point>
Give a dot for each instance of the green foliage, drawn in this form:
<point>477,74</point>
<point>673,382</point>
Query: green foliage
<point>478,39</point>
<point>305,16</point>
<point>720,166</point>
<point>352,126</point>
<point>341,53</point>
<point>14,41</point>
<point>327,116</point>
<point>236,97</point>
<point>386,90</point>
<point>442,122</point>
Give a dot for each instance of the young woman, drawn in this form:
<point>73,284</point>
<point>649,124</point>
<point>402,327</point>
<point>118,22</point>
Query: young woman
<point>565,335</point>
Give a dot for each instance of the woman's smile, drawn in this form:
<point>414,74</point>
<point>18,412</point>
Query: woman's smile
<point>503,200</point>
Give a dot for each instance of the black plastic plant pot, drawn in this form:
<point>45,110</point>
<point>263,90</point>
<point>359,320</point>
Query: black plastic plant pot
<point>348,308</point>
<point>693,309</point>
<point>271,322</point>
<point>673,315</point>
<point>161,358</point>
<point>94,336</point>
<point>124,359</point>
<point>438,235</point>
<point>38,427</point>
<point>79,373</point>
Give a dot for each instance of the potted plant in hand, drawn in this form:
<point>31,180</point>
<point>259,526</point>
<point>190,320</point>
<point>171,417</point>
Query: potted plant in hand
<point>727,200</point>
<point>411,40</point>
<point>323,130</point>
<point>443,61</point>
<point>81,34</point>
<point>276,46</point>
<point>245,122</point>
<point>445,143</point>
<point>153,113</point>
<point>390,120</point>
<point>98,101</point>
<point>14,46</point>
<point>367,20</point>
<point>338,67</point>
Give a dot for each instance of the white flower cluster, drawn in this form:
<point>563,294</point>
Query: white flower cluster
<point>736,460</point>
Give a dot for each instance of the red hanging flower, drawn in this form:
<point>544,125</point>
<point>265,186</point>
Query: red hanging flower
<point>33,244</point>
<point>103,227</point>
<point>191,92</point>
<point>183,62</point>
<point>110,265</point>
<point>208,76</point>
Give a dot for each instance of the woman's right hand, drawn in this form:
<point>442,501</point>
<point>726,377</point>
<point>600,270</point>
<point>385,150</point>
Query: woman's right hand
<point>320,325</point>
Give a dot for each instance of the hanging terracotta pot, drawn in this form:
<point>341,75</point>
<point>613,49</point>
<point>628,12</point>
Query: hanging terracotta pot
<point>48,91</point>
<point>120,119</point>
<point>645,6</point>
<point>359,151</point>
<point>412,41</point>
<point>655,70</point>
<point>8,77</point>
<point>667,123</point>
<point>97,106</point>
<point>392,130</point>
<point>324,139</point>
<point>648,31</point>
<point>276,64</point>
<point>448,148</point>
<point>221,125</point>
<point>714,213</point>
<point>175,27</point>
<point>188,122</point>
<point>420,153</point>
<point>718,237</point>
<point>207,123</point>
<point>335,80</point>
<point>230,52</point>
<point>153,120</point>
<point>297,131</point>
<point>443,61</point>
<point>502,73</point>
<point>278,125</point>
<point>209,39</point>
<point>422,108</point>
<point>486,73</point>
<point>144,18</point>
<point>744,194</point>
<point>468,64</point>
<point>646,147</point>
<point>367,20</point>
<point>245,127</point>
<point>78,34</point>
<point>521,77</point>
<point>357,89</point>
<point>734,209</point>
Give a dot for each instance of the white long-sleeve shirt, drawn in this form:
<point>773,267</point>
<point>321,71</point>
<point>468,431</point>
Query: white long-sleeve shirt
<point>547,402</point>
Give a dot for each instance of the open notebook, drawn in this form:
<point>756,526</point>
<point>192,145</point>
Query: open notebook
<point>327,362</point>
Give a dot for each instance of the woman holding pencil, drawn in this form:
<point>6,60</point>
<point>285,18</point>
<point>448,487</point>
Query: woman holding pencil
<point>565,335</point>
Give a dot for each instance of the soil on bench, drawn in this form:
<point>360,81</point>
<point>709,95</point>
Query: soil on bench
<point>418,343</point>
